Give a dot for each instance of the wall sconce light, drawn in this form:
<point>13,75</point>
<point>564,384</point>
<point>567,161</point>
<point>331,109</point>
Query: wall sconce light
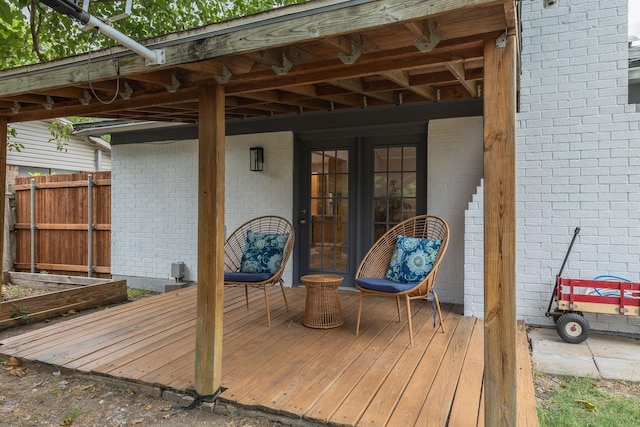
<point>256,159</point>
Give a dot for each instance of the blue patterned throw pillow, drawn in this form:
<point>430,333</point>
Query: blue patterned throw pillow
<point>263,252</point>
<point>412,259</point>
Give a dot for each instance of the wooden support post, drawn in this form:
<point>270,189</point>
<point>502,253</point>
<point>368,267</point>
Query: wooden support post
<point>4,136</point>
<point>211,129</point>
<point>500,331</point>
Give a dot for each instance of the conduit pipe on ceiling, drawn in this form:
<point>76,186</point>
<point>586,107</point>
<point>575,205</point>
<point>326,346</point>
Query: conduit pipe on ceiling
<point>72,10</point>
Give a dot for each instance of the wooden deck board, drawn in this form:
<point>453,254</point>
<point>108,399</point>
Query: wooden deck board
<point>469,390</point>
<point>436,409</point>
<point>105,320</point>
<point>287,379</point>
<point>407,410</point>
<point>527,394</point>
<point>391,391</point>
<point>349,379</point>
<point>328,376</point>
<point>360,398</point>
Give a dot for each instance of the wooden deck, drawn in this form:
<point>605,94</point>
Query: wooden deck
<point>322,376</point>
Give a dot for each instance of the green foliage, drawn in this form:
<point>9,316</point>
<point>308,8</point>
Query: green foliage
<point>15,35</point>
<point>30,32</point>
<point>60,133</point>
<point>582,402</point>
<point>71,416</point>
<point>11,145</point>
<point>23,314</point>
<point>133,293</point>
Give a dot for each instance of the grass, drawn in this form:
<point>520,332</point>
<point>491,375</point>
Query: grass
<point>11,291</point>
<point>585,402</point>
<point>133,293</point>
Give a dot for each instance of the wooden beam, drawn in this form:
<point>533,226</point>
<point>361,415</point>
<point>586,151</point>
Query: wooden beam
<point>224,39</point>
<point>208,364</point>
<point>357,86</point>
<point>72,108</point>
<point>500,233</point>
<point>401,78</point>
<point>457,69</point>
<point>368,64</point>
<point>4,136</point>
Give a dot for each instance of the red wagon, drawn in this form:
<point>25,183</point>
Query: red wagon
<point>574,297</point>
<point>577,296</point>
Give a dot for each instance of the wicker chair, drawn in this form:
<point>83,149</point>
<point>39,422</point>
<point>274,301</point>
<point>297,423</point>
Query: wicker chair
<point>234,249</point>
<point>373,268</point>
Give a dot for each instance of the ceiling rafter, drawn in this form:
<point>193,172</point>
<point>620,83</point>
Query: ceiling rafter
<point>401,78</point>
<point>457,69</point>
<point>382,66</point>
<point>358,86</point>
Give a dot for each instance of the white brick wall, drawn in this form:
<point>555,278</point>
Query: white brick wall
<point>474,255</point>
<point>455,168</point>
<point>578,151</point>
<point>155,203</point>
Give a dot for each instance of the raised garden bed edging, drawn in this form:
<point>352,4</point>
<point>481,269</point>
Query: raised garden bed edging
<point>76,293</point>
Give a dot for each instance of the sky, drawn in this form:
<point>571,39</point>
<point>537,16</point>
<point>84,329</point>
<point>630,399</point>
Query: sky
<point>634,18</point>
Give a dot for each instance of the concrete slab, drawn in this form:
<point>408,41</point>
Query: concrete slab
<point>611,346</point>
<point>547,341</point>
<point>562,364</point>
<point>618,369</point>
<point>610,357</point>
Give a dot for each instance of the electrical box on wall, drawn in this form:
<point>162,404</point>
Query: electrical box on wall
<point>177,270</point>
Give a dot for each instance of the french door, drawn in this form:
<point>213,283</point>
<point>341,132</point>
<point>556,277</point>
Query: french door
<point>351,190</point>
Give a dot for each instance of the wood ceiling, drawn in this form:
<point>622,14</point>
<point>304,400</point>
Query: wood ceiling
<point>317,56</point>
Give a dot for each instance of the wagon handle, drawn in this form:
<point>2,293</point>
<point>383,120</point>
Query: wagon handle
<point>575,234</point>
<point>564,262</point>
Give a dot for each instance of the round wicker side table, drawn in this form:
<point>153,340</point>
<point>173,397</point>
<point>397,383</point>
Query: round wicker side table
<point>322,306</point>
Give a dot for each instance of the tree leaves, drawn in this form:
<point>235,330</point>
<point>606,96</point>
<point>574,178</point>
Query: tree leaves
<point>30,32</point>
<point>5,12</point>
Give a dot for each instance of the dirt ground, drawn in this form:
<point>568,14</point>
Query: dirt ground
<point>34,394</point>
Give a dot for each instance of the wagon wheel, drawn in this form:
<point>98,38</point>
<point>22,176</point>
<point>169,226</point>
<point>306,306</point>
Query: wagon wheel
<point>557,313</point>
<point>573,328</point>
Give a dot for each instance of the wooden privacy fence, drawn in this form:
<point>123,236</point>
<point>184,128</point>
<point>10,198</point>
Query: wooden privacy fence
<point>63,224</point>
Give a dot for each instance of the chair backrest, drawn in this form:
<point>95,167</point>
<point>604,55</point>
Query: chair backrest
<point>376,262</point>
<point>234,245</point>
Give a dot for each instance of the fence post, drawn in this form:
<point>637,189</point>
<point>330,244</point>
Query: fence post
<point>9,239</point>
<point>32,227</point>
<point>90,226</point>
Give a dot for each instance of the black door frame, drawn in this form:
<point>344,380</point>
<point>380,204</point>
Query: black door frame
<point>360,194</point>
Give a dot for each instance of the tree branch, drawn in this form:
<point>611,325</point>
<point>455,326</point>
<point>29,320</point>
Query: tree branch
<point>35,29</point>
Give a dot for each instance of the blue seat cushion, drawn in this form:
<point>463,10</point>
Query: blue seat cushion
<point>263,252</point>
<point>238,276</point>
<point>383,285</point>
<point>412,259</point>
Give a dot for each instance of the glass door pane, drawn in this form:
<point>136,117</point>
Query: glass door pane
<point>329,202</point>
<point>394,187</point>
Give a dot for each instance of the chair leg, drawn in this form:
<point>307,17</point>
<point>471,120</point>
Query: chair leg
<point>266,302</point>
<point>435,299</point>
<point>398,307</point>
<point>246,295</point>
<point>284,296</point>
<point>359,312</point>
<point>409,319</point>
